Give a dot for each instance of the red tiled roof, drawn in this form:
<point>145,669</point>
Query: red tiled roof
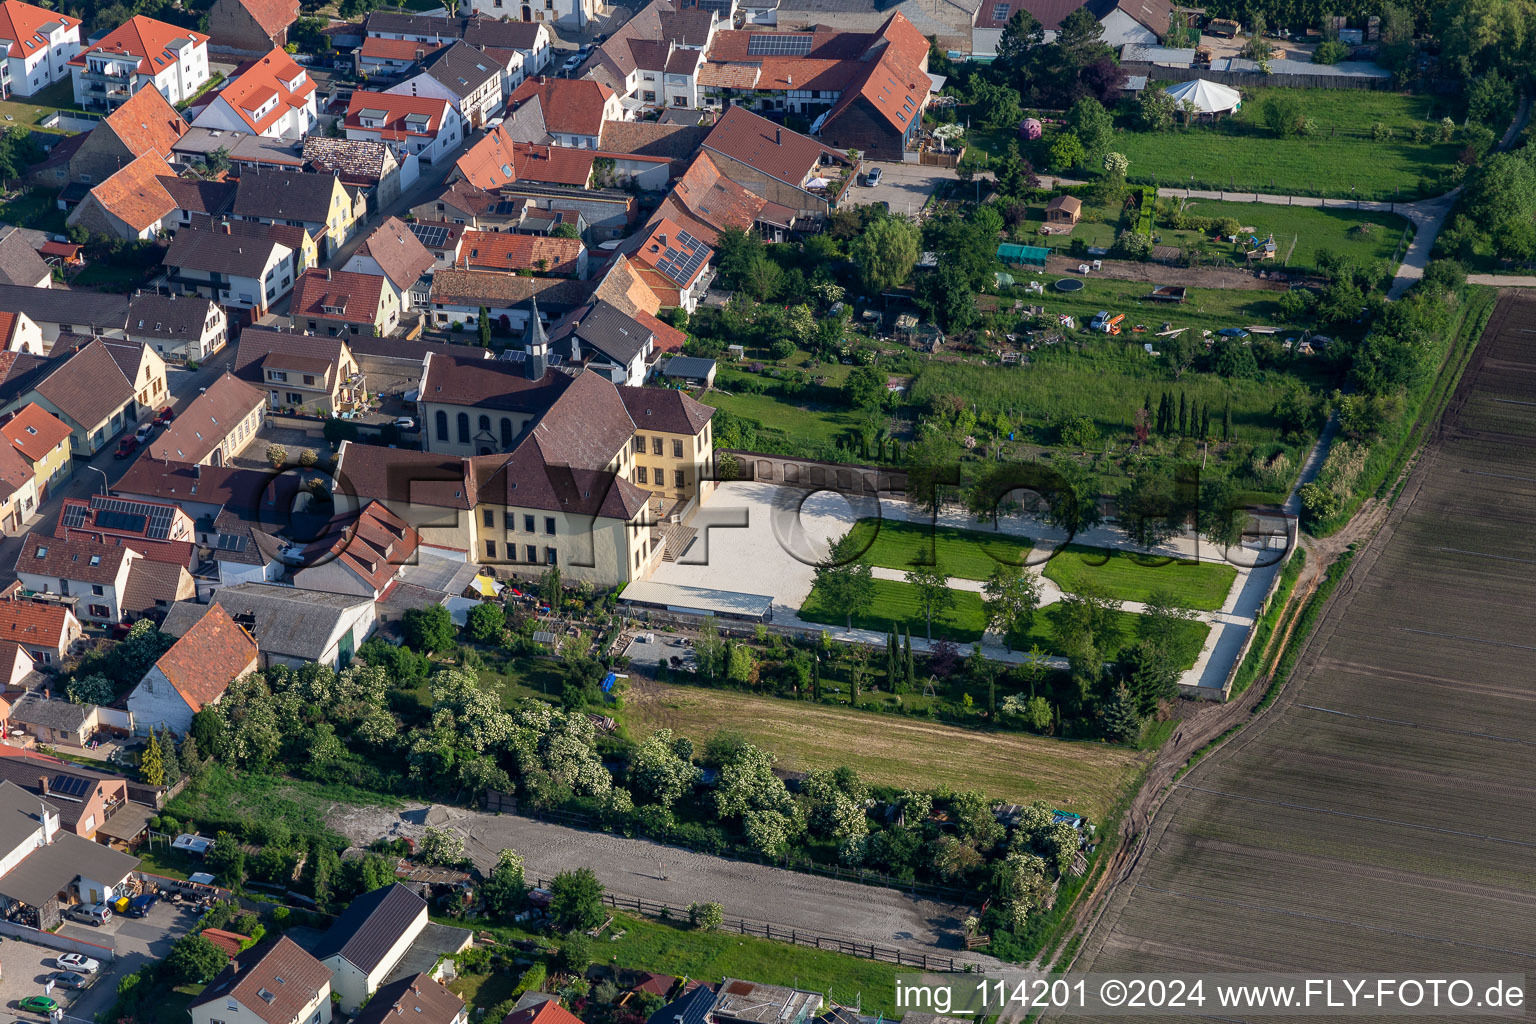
<point>396,109</point>
<point>571,105</point>
<point>895,87</point>
<point>667,338</point>
<point>662,274</point>
<point>500,250</point>
<point>229,942</point>
<point>556,165</point>
<point>210,417</point>
<point>758,142</point>
<point>373,546</point>
<point>207,658</point>
<point>397,49</point>
<point>144,38</point>
<point>706,202</point>
<point>134,194</point>
<point>147,123</point>
<point>398,252</point>
<point>39,623</point>
<point>487,164</point>
<point>260,80</point>
<point>357,295</point>
<point>545,1013</point>
<point>272,15</point>
<point>34,431</point>
<point>20,23</point>
<point>258,970</point>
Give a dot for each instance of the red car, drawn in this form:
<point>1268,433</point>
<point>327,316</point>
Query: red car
<point>165,416</point>
<point>126,447</point>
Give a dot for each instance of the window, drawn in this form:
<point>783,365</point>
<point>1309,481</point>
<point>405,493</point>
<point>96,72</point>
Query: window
<point>309,380</point>
<point>485,424</point>
<point>100,611</point>
<point>641,476</point>
<point>677,449</point>
<point>442,425</point>
<point>532,553</point>
<point>550,557</point>
<point>680,482</point>
<point>488,517</point>
<point>490,548</point>
<point>463,424</point>
<point>655,446</point>
<point>278,375</point>
<point>549,525</point>
<point>650,95</point>
<point>294,398</point>
<point>97,590</point>
<point>527,524</point>
<point>506,432</point>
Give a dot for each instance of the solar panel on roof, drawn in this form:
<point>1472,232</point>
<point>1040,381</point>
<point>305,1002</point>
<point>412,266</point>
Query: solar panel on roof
<point>231,542</point>
<point>763,44</point>
<point>431,235</point>
<point>74,515</point>
<point>681,264</point>
<point>156,519</point>
<point>69,785</point>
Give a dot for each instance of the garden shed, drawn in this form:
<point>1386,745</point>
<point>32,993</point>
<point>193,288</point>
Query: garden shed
<point>1063,210</point>
<point>1022,255</point>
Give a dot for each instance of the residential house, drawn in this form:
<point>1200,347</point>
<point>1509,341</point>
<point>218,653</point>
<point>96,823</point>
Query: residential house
<point>429,128</point>
<point>361,555</point>
<point>146,123</point>
<point>94,572</point>
<point>550,257</point>
<point>654,59</point>
<point>317,374</point>
<point>367,164</point>
<point>230,269</point>
<point>131,204</point>
<point>416,998</point>
<point>42,439</point>
<point>272,96</point>
<point>458,295</point>
<point>95,388</point>
<point>689,371</point>
<point>180,328</point>
<point>531,39</point>
<point>880,113</point>
<point>570,111</point>
<point>366,943</point>
<point>273,982</point>
<point>140,53</point>
<point>394,253</point>
<point>692,1007</point>
<point>215,426</point>
<point>543,1012</point>
<point>462,203</point>
<point>602,337</point>
<point>442,240</point>
<point>677,143</point>
<point>20,333</point>
<point>18,491</point>
<point>193,674</point>
<point>43,868</point>
<point>251,26</point>
<point>46,630</point>
<point>339,302</point>
<point>160,532</point>
<point>782,166</point>
<point>317,202</point>
<point>705,202</point>
<point>240,148</point>
<point>568,15</point>
<point>673,263</point>
<point>946,21</point>
<point>154,586</point>
<point>390,57</point>
<point>39,44</point>
<point>54,720</point>
<point>459,73</point>
<point>63,311</point>
<point>85,799</point>
<point>200,203</point>
<point>292,627</point>
<point>1131,22</point>
<point>20,264</point>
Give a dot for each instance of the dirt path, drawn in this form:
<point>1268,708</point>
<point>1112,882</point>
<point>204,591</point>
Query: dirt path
<point>1224,278</point>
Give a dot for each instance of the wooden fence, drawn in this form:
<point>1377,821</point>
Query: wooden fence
<point>794,936</point>
<point>1254,79</point>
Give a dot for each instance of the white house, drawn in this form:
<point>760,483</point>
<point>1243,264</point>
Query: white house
<point>292,627</point>
<point>430,128</point>
<point>231,270</point>
<point>273,982</point>
<point>273,97</point>
<point>367,942</point>
<point>467,78</point>
<point>29,824</point>
<point>572,15</point>
<point>140,52</point>
<point>180,328</point>
<point>193,674</point>
<point>95,572</point>
<point>39,44</point>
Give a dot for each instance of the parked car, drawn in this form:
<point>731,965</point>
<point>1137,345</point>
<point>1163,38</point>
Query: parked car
<point>140,905</point>
<point>126,447</point>
<point>68,979</point>
<point>145,432</point>
<point>873,177</point>
<point>571,64</point>
<point>39,1004</point>
<point>405,423</point>
<point>96,914</point>
<point>77,962</point>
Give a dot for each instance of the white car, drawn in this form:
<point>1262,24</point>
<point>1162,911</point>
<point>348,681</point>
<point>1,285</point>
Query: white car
<point>571,64</point>
<point>77,962</point>
<point>405,423</point>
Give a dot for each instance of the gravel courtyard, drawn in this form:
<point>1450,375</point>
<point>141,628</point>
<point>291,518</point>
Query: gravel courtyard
<point>635,867</point>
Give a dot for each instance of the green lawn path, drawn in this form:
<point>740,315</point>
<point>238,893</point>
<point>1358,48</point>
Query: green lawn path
<point>1129,576</point>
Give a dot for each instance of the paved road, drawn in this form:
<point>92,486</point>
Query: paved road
<point>637,868</point>
<point>431,178</point>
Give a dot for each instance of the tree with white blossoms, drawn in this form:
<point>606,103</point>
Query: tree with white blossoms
<point>441,846</point>
<point>748,791</point>
<point>1038,831</point>
<point>661,770</point>
<point>559,747</point>
<point>470,711</point>
<point>1021,886</point>
<point>835,799</point>
<point>1116,164</point>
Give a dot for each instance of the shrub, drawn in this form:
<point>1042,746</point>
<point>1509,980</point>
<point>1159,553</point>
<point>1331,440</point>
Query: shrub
<point>575,955</point>
<point>707,916</point>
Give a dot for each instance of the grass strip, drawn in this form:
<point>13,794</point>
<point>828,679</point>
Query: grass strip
<point>1253,662</point>
<point>1304,623</point>
<point>966,554</point>
<point>1130,576</point>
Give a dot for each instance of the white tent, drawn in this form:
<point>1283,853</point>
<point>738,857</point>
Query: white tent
<point>1206,97</point>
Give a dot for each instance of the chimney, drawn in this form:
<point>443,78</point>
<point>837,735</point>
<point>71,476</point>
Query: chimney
<point>662,238</point>
<point>42,782</point>
<point>778,136</point>
<point>327,273</point>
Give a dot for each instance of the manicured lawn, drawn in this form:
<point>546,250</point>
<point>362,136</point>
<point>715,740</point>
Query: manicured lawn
<point>1241,153</point>
<point>483,991</point>
<point>26,111</point>
<point>796,421</point>
<point>896,605</point>
<point>680,950</point>
<point>1128,576</point>
<point>969,554</point>
<point>899,750</point>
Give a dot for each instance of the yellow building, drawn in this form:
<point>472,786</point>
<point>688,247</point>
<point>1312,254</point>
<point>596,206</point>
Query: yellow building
<point>43,440</point>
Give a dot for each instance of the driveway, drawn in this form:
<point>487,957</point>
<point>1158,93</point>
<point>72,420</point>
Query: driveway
<point>906,187</point>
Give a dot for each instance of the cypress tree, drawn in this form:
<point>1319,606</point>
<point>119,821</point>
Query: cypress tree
<point>1226,421</point>
<point>816,677</point>
<point>911,665</point>
<point>890,660</point>
<point>1146,403</point>
<point>1183,416</point>
<point>1205,421</point>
